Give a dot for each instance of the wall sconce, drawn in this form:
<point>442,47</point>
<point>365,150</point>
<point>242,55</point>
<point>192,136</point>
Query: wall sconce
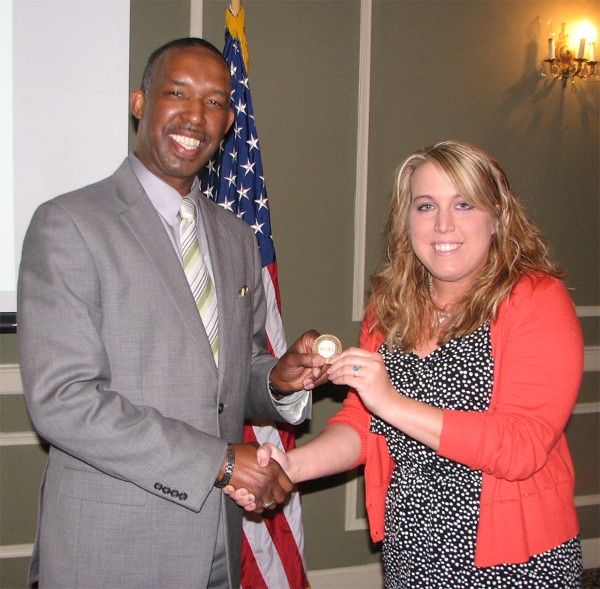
<point>561,62</point>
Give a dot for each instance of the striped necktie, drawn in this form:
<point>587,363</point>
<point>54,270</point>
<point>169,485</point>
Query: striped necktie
<point>197,274</point>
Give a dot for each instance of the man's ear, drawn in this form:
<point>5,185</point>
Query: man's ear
<point>137,101</point>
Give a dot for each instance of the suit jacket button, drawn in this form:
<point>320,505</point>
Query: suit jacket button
<point>183,496</point>
<point>166,490</point>
<point>175,493</point>
<point>158,486</point>
<point>221,407</point>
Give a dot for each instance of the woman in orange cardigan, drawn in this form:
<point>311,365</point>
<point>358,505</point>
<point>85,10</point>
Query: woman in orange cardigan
<point>470,363</point>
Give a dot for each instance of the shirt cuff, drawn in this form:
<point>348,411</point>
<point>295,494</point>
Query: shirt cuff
<point>295,407</point>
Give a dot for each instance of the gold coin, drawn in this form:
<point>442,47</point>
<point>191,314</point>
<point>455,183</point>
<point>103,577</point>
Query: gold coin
<point>327,346</point>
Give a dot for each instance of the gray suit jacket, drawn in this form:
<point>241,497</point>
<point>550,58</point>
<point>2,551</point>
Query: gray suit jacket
<point>120,380</point>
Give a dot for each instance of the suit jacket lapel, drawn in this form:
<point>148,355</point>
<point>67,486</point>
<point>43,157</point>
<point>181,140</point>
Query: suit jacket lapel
<point>140,216</point>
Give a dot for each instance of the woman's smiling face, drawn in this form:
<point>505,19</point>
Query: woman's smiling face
<point>450,236</point>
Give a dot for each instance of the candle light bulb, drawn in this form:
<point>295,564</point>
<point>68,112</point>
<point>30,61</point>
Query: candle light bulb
<point>586,34</point>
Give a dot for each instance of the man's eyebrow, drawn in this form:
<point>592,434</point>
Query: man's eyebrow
<point>226,95</point>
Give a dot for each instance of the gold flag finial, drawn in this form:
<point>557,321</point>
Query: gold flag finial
<point>236,25</point>
<point>235,7</point>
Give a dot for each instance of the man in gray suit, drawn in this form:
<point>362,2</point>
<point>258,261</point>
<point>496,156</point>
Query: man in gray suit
<point>117,364</point>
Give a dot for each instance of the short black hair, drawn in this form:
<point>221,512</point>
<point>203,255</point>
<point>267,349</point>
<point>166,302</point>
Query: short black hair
<point>150,68</point>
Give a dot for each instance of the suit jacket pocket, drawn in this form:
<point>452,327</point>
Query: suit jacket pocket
<point>97,486</point>
<point>244,311</point>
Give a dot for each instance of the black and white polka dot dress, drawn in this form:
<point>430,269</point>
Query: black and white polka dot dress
<point>432,505</point>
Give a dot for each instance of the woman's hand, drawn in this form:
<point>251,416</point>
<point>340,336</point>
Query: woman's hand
<point>365,372</point>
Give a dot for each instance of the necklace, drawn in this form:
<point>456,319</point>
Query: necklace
<point>440,316</point>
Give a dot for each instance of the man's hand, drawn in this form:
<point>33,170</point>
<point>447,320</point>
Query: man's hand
<point>265,455</point>
<point>299,368</point>
<point>268,484</point>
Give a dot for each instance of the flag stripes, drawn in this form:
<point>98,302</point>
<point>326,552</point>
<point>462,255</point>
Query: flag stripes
<point>279,540</point>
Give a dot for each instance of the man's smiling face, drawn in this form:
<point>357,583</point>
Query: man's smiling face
<point>183,115</point>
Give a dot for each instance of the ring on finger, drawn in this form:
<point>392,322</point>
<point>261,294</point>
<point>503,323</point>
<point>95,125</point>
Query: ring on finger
<point>355,369</point>
<point>268,504</point>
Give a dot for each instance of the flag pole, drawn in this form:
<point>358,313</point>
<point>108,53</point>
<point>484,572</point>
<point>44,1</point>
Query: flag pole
<point>235,7</point>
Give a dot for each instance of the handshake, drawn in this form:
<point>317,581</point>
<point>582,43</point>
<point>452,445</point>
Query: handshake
<point>258,482</point>
<point>261,477</point>
<point>254,479</point>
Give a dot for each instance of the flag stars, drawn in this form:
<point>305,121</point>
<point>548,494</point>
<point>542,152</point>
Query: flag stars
<point>243,192</point>
<point>211,166</point>
<point>262,202</point>
<point>234,178</point>
<point>227,204</point>
<point>240,107</point>
<point>249,167</point>
<point>257,227</point>
<point>231,179</point>
<point>253,143</point>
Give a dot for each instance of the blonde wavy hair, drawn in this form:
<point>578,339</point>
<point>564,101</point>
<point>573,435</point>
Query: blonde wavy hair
<point>400,301</point>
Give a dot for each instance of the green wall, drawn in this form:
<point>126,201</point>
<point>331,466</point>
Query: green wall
<point>440,69</point>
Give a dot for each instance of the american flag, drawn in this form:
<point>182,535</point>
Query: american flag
<point>273,545</point>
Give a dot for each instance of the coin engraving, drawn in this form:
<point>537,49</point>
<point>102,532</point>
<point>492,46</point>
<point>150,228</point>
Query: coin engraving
<point>327,346</point>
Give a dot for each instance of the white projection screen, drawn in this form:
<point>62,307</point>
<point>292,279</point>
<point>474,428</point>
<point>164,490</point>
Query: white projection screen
<point>64,83</point>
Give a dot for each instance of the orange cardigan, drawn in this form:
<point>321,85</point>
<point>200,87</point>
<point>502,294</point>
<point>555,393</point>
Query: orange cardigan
<point>527,504</point>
